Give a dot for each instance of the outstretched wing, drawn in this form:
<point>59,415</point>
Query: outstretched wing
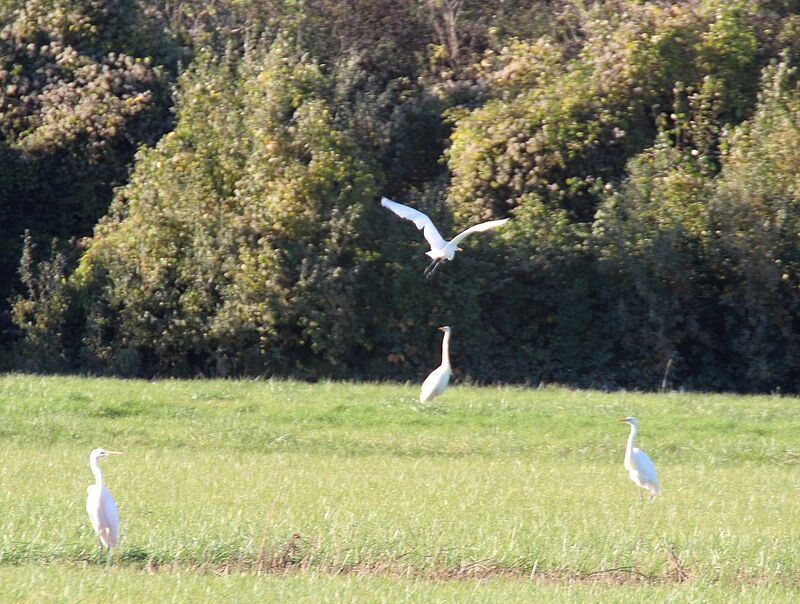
<point>419,219</point>
<point>646,468</point>
<point>483,226</point>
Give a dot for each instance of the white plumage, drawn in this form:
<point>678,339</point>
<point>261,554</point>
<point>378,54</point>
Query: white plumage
<point>100,504</point>
<point>640,467</point>
<point>441,249</point>
<point>437,381</point>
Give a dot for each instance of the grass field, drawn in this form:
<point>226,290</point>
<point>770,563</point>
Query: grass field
<point>277,490</point>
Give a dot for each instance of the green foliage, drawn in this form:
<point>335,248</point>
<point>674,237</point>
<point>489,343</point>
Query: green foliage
<point>756,221</point>
<point>90,26</point>
<point>554,123</point>
<point>651,238</point>
<point>705,263</point>
<point>645,151</point>
<point>68,80</point>
<point>75,101</point>
<point>41,316</point>
<point>237,237</point>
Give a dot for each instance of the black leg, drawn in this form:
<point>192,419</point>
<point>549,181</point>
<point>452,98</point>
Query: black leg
<point>435,265</point>
<point>430,267</point>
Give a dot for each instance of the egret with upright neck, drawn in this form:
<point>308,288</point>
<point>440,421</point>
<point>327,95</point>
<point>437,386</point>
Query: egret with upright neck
<point>640,467</point>
<point>100,504</point>
<point>437,381</point>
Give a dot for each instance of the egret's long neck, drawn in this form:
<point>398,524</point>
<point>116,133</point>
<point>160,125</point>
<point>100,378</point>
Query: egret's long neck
<point>629,449</point>
<point>446,350</point>
<point>98,475</point>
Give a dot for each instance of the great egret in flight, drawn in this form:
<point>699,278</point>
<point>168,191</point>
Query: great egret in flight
<point>437,381</point>
<point>640,467</point>
<point>100,504</point>
<point>440,248</point>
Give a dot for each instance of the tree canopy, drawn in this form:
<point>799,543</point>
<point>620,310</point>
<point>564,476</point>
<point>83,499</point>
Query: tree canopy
<point>212,173</point>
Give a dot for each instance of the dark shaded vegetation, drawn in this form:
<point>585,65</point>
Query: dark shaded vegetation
<point>648,153</point>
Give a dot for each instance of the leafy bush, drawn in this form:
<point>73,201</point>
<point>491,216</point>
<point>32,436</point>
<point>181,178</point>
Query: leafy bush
<point>74,105</point>
<point>237,237</point>
<point>647,153</point>
<point>43,314</point>
<point>756,221</point>
<point>553,123</point>
<point>703,264</point>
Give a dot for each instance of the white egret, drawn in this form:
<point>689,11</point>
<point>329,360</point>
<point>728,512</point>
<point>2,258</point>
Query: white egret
<point>640,467</point>
<point>437,381</point>
<point>100,504</point>
<point>441,249</point>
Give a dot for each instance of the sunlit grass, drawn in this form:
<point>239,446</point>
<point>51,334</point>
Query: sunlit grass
<point>260,477</point>
<point>70,583</point>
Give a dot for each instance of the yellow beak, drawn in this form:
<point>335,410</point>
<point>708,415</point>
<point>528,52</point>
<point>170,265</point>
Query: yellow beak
<point>114,453</point>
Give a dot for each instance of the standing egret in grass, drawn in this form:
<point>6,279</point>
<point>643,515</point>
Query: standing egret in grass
<point>100,504</point>
<point>640,467</point>
<point>437,381</point>
<point>440,248</point>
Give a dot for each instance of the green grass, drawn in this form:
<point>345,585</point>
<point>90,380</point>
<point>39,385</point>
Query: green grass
<point>71,583</point>
<point>356,490</point>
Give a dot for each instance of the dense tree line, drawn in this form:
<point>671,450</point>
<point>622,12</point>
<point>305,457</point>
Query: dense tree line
<point>648,153</point>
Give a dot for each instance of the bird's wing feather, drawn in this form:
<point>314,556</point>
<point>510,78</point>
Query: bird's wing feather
<point>645,466</point>
<point>421,221</point>
<point>111,515</point>
<point>102,512</point>
<point>483,226</point>
<point>434,384</point>
<point>428,386</point>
